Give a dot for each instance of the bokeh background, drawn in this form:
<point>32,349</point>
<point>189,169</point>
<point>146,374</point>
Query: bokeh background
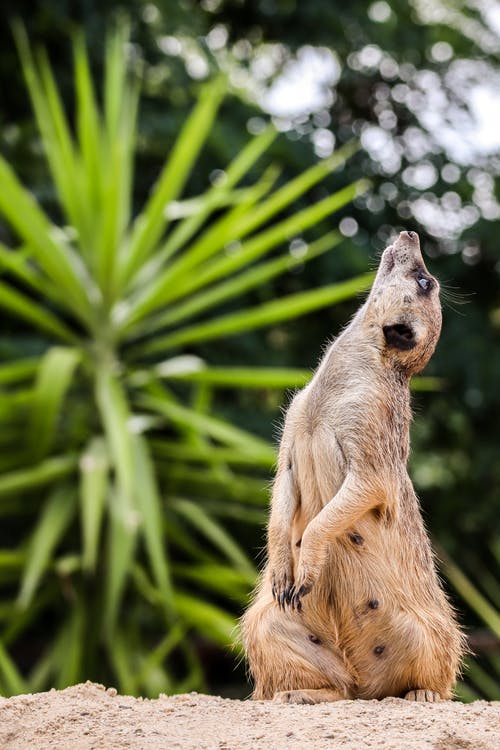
<point>184,273</point>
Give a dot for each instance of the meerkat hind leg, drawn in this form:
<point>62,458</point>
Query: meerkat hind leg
<point>322,695</point>
<point>423,696</point>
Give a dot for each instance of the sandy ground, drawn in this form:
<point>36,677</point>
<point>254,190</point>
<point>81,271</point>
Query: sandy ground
<point>89,717</point>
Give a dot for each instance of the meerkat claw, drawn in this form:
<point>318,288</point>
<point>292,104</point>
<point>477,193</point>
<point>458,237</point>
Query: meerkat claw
<point>281,587</point>
<point>297,594</point>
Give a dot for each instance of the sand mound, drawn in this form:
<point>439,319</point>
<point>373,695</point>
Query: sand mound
<point>89,717</point>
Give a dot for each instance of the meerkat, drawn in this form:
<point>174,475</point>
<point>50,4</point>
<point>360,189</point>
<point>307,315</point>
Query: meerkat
<point>349,604</point>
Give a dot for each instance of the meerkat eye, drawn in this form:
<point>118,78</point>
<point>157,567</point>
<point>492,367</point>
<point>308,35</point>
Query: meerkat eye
<point>424,282</point>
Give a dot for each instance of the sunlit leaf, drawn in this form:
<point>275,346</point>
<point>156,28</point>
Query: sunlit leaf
<point>94,468</point>
<point>210,483</point>
<point>18,370</point>
<point>219,578</point>
<point>122,539</point>
<point>152,221</point>
<point>164,290</point>
<point>52,382</point>
<point>124,668</point>
<point>270,313</point>
<point>70,654</point>
<point>233,287</point>
<point>178,452</point>
<point>215,622</point>
<point>480,678</point>
<point>246,377</point>
<point>470,594</point>
<point>23,307</point>
<point>215,533</point>
<point>211,200</point>
<point>54,519</point>
<point>18,263</point>
<point>10,675</point>
<point>88,128</point>
<point>216,428</point>
<point>124,518</point>
<point>115,414</point>
<point>53,125</point>
<point>162,651</point>
<point>43,473</point>
<point>149,506</point>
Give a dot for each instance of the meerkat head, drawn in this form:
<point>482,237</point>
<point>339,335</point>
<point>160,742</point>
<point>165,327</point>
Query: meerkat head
<point>403,309</point>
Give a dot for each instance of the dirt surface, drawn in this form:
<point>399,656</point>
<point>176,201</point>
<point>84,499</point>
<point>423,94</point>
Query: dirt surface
<point>89,717</point>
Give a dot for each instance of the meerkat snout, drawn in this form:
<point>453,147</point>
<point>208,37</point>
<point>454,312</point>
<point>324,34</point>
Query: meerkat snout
<point>403,311</point>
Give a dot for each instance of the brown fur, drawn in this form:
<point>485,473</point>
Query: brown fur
<point>349,604</point>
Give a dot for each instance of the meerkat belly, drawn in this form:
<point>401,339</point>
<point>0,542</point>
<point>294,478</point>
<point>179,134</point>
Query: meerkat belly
<point>362,573</point>
<point>383,612</point>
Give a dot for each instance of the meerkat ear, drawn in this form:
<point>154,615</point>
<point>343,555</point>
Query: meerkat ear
<point>400,336</point>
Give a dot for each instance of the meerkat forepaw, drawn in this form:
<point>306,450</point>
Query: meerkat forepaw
<point>281,587</point>
<point>297,594</point>
<point>286,592</point>
<point>302,586</point>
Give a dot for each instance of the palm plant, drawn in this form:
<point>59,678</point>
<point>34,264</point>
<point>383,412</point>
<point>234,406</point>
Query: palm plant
<point>115,473</point>
<point>481,595</point>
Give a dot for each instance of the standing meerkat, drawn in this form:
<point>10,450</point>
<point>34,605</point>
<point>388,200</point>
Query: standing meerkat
<point>350,604</point>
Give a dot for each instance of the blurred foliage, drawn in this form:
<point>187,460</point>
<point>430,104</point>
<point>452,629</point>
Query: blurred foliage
<point>416,83</point>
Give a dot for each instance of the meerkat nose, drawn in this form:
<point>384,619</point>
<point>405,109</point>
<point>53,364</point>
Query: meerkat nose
<point>412,236</point>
